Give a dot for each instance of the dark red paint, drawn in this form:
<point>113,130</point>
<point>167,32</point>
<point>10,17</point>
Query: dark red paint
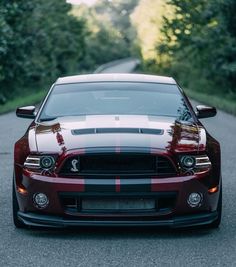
<point>55,138</point>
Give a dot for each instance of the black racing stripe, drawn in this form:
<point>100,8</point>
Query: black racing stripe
<point>100,185</point>
<point>126,185</point>
<point>136,185</point>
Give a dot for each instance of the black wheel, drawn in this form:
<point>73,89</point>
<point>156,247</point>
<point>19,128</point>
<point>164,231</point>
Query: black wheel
<point>15,209</point>
<point>217,222</point>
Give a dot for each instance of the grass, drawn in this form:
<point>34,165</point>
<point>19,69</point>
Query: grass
<point>225,103</point>
<point>24,100</point>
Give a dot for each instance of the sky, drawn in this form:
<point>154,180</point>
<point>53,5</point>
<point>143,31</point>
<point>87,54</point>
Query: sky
<point>77,2</point>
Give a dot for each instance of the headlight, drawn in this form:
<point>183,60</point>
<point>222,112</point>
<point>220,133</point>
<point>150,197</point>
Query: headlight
<point>47,162</point>
<point>39,163</point>
<point>195,164</point>
<point>188,162</point>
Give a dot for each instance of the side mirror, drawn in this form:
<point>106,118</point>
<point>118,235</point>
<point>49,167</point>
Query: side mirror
<point>205,111</point>
<point>26,112</point>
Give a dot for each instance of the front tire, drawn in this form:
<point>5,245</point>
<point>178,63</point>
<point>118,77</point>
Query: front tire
<point>15,209</point>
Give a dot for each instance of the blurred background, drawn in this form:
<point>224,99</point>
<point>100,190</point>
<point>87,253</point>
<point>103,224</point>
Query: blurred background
<point>193,41</point>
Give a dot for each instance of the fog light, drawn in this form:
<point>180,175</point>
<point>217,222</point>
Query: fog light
<point>195,200</point>
<point>40,200</point>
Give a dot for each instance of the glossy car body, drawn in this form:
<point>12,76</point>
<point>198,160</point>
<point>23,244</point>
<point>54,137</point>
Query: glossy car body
<point>132,167</point>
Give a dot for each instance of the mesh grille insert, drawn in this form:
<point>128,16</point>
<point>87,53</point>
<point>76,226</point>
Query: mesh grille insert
<point>119,164</point>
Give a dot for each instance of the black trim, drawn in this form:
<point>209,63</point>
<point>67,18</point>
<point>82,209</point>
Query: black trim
<point>164,202</point>
<point>121,194</point>
<point>100,186</point>
<point>123,164</point>
<point>117,130</point>
<point>32,219</point>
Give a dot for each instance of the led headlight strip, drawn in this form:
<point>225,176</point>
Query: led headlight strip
<point>32,162</point>
<point>203,164</point>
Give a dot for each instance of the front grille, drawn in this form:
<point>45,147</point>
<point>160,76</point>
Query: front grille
<point>118,164</point>
<point>164,166</point>
<point>75,204</point>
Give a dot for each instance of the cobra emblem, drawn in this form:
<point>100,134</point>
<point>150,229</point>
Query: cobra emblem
<point>74,167</point>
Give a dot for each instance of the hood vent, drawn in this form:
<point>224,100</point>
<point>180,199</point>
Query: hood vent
<point>117,130</point>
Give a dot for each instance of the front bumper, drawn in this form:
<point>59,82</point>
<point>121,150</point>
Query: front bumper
<point>55,215</point>
<point>32,219</point>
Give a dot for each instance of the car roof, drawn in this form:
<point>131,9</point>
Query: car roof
<point>121,77</point>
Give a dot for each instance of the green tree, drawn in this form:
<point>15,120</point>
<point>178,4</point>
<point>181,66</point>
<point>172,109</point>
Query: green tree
<point>148,20</point>
<point>40,40</point>
<point>111,34</point>
<point>118,13</point>
<point>200,41</point>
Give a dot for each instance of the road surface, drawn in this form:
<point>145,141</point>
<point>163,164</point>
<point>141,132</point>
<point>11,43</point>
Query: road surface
<point>119,246</point>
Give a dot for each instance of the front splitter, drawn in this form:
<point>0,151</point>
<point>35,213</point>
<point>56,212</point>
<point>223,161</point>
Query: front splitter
<point>39,220</point>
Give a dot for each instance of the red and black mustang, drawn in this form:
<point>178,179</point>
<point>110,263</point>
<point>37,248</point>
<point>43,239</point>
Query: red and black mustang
<point>116,149</point>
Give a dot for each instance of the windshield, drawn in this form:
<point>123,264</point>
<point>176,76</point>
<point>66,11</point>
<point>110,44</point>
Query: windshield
<point>101,98</point>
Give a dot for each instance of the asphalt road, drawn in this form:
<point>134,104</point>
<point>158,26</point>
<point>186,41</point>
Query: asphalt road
<point>119,246</point>
<point>123,66</point>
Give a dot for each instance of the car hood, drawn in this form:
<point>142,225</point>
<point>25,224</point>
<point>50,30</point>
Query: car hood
<point>102,131</point>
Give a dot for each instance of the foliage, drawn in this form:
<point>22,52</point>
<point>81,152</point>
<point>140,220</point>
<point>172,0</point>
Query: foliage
<point>39,40</point>
<point>111,34</point>
<point>147,18</point>
<point>200,44</point>
<point>118,13</point>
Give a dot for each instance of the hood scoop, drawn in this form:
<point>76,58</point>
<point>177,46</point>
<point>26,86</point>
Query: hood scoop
<point>117,130</point>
